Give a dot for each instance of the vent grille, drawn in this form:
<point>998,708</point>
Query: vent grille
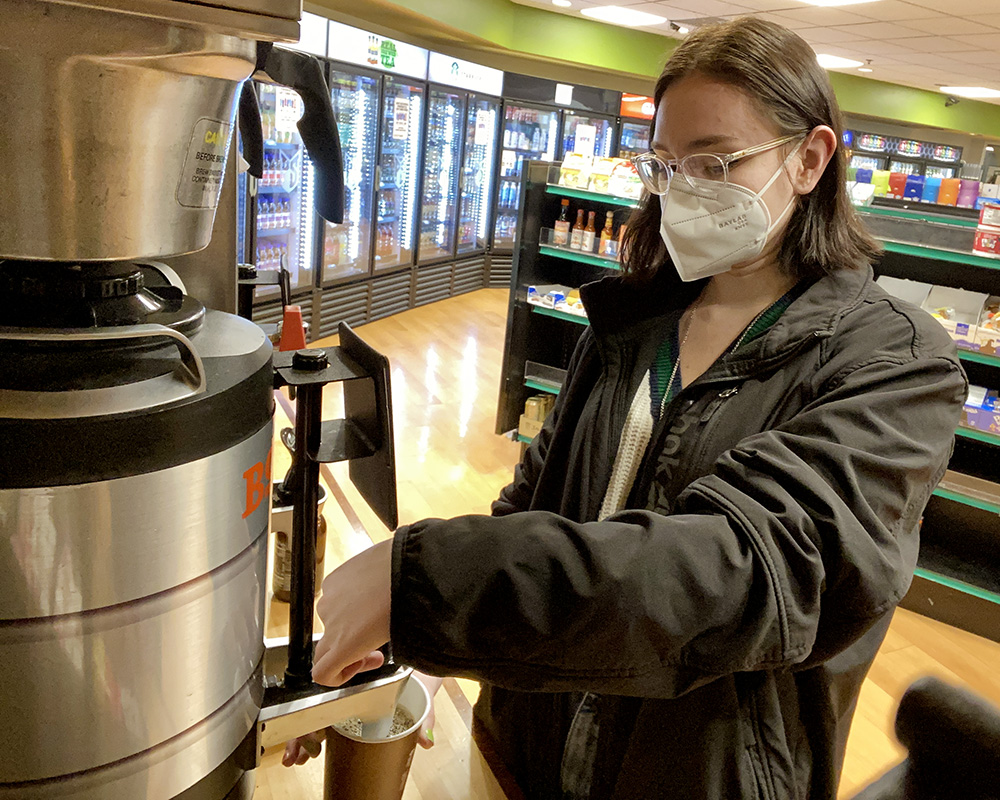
<point>469,276</point>
<point>343,304</point>
<point>501,268</point>
<point>433,284</point>
<point>390,295</point>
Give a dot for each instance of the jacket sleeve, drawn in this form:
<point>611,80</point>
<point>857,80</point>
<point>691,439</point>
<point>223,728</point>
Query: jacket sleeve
<point>796,543</point>
<point>517,495</point>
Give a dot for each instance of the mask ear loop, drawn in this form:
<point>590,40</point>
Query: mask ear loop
<point>770,183</point>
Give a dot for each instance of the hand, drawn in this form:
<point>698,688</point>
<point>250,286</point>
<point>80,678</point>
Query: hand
<point>354,608</point>
<point>432,684</point>
<point>299,751</point>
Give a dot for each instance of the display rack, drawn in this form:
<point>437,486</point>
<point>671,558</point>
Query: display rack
<point>957,579</point>
<point>546,336</point>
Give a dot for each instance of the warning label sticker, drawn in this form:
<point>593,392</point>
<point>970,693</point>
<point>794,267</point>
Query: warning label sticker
<point>205,165</point>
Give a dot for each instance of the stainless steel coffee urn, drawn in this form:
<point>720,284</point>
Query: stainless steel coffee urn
<point>135,423</point>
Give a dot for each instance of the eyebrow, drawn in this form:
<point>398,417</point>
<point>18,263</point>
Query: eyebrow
<point>695,145</point>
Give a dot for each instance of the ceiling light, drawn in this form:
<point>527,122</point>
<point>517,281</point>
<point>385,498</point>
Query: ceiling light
<point>971,91</point>
<point>829,3</point>
<point>865,69</point>
<point>562,3</point>
<point>623,16</point>
<point>826,61</point>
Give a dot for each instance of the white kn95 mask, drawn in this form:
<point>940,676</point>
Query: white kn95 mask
<point>710,226</point>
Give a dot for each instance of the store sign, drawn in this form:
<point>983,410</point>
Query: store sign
<point>464,74</point>
<point>585,139</point>
<point>564,94</point>
<point>484,127</point>
<point>401,120</point>
<point>312,35</point>
<point>366,49</point>
<point>288,110</point>
<point>638,106</point>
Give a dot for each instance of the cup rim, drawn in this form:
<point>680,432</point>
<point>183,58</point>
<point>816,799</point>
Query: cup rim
<point>408,732</point>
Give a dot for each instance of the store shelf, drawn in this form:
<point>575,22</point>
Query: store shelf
<point>552,312</point>
<point>970,491</point>
<point>275,232</point>
<point>979,436</point>
<point>273,190</point>
<point>579,256</point>
<point>957,585</point>
<point>979,358</point>
<point>541,387</point>
<point>282,145</point>
<point>919,216</point>
<point>938,254</point>
<point>597,197</point>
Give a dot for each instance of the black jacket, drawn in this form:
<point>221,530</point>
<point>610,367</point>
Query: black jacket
<point>727,622</point>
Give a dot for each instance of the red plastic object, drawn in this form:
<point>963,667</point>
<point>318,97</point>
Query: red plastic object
<point>293,332</point>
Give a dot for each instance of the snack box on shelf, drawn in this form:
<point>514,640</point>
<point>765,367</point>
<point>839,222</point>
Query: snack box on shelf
<point>988,330</point>
<point>600,174</point>
<point>982,410</point>
<point>575,171</point>
<point>913,292</point>
<point>558,298</point>
<point>958,311</point>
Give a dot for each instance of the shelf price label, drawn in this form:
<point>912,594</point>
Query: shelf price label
<point>401,121</point>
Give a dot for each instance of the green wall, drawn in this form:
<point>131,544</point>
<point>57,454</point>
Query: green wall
<point>539,35</point>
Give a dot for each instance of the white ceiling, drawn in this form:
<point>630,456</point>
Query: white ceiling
<point>921,43</point>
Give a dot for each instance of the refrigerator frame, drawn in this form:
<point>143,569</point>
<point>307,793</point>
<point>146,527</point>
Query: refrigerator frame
<point>266,296</point>
<point>491,202</point>
<point>464,94</point>
<point>386,77</point>
<point>332,66</point>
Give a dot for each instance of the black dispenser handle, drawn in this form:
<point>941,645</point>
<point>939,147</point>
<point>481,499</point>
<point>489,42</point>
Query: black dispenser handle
<point>250,130</point>
<point>318,126</point>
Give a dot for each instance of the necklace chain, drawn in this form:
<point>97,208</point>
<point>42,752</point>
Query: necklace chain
<point>687,332</point>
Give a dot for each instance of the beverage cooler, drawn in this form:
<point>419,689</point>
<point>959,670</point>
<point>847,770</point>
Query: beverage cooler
<point>347,248</point>
<point>279,209</point>
<point>634,139</point>
<point>529,133</point>
<point>478,169</point>
<point>637,112</point>
<point>459,163</point>
<point>542,121</point>
<point>588,134</point>
<point>442,165</point>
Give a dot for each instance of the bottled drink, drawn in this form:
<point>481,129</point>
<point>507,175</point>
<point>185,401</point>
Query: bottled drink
<point>589,234</point>
<point>576,237</point>
<point>607,233</point>
<point>561,228</point>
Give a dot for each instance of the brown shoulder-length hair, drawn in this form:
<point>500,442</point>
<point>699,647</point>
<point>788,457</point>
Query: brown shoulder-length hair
<point>778,71</point>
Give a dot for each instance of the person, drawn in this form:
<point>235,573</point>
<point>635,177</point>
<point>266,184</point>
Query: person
<point>681,591</point>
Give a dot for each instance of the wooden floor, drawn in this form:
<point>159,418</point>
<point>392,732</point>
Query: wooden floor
<point>445,378</point>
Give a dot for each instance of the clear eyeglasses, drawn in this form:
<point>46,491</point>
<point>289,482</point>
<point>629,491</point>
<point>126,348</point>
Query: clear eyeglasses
<point>656,172</point>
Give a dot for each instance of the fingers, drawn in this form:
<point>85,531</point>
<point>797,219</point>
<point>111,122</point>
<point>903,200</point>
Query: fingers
<point>426,738</point>
<point>299,751</point>
<point>328,670</point>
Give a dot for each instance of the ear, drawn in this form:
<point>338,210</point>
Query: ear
<point>814,154</point>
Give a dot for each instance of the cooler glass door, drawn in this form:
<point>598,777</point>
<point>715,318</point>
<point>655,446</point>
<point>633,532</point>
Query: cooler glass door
<point>868,162</point>
<point>635,139</point>
<point>906,167</point>
<point>477,174</point>
<point>284,210</point>
<point>399,164</point>
<point>347,247</point>
<point>592,136</point>
<point>528,134</point>
<point>933,171</point>
<point>442,161</point>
